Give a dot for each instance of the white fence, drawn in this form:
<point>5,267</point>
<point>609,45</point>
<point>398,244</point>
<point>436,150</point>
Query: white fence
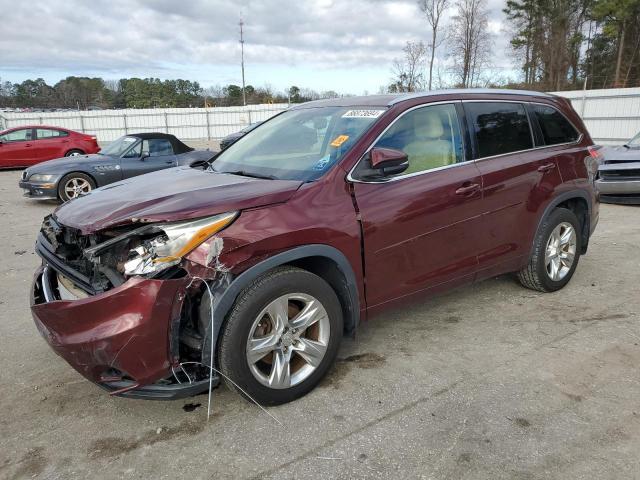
<point>612,117</point>
<point>185,123</point>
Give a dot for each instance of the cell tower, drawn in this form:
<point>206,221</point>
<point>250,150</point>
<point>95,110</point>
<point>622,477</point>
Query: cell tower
<point>244,96</point>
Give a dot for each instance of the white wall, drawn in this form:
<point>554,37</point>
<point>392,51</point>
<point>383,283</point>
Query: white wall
<point>612,116</point>
<point>184,123</point>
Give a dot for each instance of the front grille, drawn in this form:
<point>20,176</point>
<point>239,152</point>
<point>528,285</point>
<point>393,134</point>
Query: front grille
<point>62,247</point>
<point>631,174</point>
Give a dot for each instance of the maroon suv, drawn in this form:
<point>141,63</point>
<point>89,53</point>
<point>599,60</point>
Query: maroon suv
<point>255,265</point>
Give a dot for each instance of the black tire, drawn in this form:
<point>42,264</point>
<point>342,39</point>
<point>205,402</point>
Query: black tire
<point>534,275</point>
<point>62,194</point>
<point>235,333</point>
<point>73,152</point>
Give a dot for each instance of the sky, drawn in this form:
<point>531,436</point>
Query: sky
<point>345,45</point>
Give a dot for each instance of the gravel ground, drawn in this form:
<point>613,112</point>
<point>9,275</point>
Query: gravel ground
<point>489,381</point>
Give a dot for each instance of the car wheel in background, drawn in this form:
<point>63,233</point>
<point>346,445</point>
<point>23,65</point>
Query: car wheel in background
<point>74,185</point>
<point>282,335</point>
<point>74,153</point>
<point>556,252</point>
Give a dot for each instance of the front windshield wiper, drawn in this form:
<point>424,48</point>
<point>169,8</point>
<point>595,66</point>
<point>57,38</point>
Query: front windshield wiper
<point>244,173</point>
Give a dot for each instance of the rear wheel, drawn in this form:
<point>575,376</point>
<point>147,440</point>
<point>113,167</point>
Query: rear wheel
<point>556,252</point>
<point>75,185</point>
<point>281,336</point>
<point>74,153</point>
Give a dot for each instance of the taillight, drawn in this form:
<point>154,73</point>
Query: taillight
<point>594,152</point>
<point>593,161</point>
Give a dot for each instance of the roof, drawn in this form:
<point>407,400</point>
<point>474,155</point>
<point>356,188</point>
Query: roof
<point>178,146</point>
<point>50,127</point>
<point>148,135</point>
<point>394,98</point>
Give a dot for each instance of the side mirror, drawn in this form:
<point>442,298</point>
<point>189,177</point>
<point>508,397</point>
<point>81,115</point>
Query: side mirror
<point>387,161</point>
<point>144,155</point>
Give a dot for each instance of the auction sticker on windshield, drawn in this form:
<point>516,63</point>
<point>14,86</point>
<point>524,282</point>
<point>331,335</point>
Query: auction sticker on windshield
<point>363,114</point>
<point>339,140</point>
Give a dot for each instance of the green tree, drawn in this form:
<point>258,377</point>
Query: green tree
<point>294,94</point>
<point>620,19</point>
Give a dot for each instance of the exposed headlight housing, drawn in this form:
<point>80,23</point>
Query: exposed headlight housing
<point>175,240</point>
<point>39,177</point>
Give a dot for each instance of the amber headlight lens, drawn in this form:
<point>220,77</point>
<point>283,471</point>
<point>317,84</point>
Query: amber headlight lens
<point>174,242</point>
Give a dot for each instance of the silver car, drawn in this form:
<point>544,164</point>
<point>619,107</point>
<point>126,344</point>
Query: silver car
<point>619,173</point>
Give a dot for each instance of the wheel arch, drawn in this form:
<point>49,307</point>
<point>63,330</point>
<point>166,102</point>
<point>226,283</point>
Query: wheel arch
<point>580,203</point>
<point>323,260</point>
<point>82,152</point>
<point>88,174</point>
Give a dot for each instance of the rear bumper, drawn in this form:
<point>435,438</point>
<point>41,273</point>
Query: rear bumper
<point>39,191</point>
<point>618,187</point>
<point>119,339</point>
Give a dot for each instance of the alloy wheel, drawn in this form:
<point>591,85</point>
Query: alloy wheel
<point>288,340</point>
<point>560,252</point>
<point>76,187</point>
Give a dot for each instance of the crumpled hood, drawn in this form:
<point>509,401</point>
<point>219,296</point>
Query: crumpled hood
<point>171,195</point>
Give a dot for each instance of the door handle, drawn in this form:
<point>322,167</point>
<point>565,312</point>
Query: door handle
<point>27,145</point>
<point>547,167</point>
<point>467,190</point>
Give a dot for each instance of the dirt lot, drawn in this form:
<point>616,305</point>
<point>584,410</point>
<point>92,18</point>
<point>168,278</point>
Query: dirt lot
<point>490,381</point>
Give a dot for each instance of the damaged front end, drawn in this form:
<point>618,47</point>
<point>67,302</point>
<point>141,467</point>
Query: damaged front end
<point>126,308</point>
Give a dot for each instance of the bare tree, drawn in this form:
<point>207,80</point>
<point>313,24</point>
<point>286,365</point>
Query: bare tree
<point>433,10</point>
<point>407,72</point>
<point>470,41</point>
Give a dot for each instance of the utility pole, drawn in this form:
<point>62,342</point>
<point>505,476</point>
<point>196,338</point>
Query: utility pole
<point>244,95</point>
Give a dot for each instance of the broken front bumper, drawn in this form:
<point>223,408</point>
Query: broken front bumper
<point>120,339</point>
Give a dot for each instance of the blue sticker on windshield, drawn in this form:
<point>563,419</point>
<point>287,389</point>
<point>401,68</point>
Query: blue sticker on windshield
<point>322,163</point>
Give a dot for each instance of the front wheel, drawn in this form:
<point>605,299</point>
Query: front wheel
<point>75,185</point>
<point>556,252</point>
<point>281,336</point>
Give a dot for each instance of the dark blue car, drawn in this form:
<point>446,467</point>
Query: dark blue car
<point>128,156</point>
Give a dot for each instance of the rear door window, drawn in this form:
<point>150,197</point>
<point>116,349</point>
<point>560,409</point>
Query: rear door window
<point>556,129</point>
<point>499,127</point>
<point>42,133</point>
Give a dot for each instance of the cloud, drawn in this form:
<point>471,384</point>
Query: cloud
<point>156,37</point>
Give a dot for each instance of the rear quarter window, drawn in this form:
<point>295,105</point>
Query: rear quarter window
<point>499,127</point>
<point>556,129</point>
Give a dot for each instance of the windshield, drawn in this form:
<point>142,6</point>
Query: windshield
<point>297,144</point>
<point>119,146</point>
<point>635,141</point>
